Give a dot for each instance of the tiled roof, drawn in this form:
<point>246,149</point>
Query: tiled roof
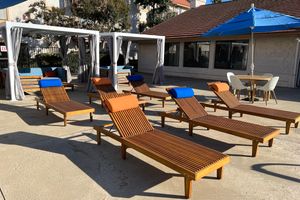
<point>199,20</point>
<point>183,3</point>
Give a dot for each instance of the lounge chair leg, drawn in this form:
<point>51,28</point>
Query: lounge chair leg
<point>190,129</point>
<point>90,100</point>
<point>47,111</point>
<point>207,128</point>
<point>163,103</point>
<point>215,107</point>
<point>229,114</point>
<point>65,120</point>
<point>271,142</point>
<point>163,121</point>
<point>37,105</point>
<point>123,151</point>
<point>241,114</point>
<point>296,125</point>
<point>91,117</point>
<point>102,105</point>
<point>98,137</point>
<point>187,187</point>
<point>274,96</point>
<point>254,148</point>
<point>287,127</point>
<point>220,173</point>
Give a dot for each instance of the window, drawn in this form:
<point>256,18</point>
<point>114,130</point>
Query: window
<point>2,13</point>
<point>172,54</point>
<point>231,55</point>
<point>196,54</point>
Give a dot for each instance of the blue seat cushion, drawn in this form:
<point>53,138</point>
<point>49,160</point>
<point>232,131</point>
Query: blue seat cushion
<point>50,82</point>
<point>30,72</point>
<point>134,78</point>
<point>180,93</point>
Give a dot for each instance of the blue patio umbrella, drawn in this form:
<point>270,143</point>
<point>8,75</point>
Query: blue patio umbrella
<point>8,3</point>
<point>254,21</point>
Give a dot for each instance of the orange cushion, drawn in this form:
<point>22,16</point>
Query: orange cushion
<point>50,74</point>
<point>101,81</point>
<point>122,103</point>
<point>220,87</point>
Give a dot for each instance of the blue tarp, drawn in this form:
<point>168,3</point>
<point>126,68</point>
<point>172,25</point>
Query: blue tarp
<point>261,20</point>
<point>8,3</point>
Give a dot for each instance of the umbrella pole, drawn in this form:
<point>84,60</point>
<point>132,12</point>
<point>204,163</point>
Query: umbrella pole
<point>252,52</point>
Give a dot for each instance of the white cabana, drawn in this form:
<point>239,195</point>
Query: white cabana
<point>115,40</point>
<point>12,34</point>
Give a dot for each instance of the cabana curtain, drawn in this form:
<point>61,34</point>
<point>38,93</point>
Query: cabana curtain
<point>94,69</point>
<point>83,68</point>
<point>158,76</point>
<point>64,45</point>
<point>16,38</point>
<point>126,51</point>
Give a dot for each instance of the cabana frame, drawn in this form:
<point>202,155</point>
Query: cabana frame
<point>43,29</point>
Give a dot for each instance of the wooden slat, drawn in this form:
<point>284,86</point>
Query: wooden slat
<point>191,107</point>
<point>54,94</point>
<point>131,122</point>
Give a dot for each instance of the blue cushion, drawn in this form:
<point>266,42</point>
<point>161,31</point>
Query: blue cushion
<point>30,72</point>
<point>50,82</point>
<point>180,93</point>
<point>134,78</point>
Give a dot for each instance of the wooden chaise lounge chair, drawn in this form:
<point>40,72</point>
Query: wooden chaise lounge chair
<point>105,90</point>
<point>234,106</point>
<point>191,160</point>
<point>192,112</point>
<point>142,89</point>
<point>56,98</point>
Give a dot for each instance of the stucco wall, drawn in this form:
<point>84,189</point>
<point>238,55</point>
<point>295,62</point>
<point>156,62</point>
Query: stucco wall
<point>275,54</point>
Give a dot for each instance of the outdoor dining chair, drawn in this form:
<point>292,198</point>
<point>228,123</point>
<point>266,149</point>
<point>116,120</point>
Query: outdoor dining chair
<point>268,89</point>
<point>237,86</point>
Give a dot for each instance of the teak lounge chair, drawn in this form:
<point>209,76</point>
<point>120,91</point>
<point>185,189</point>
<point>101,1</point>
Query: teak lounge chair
<point>191,111</point>
<point>234,106</point>
<point>191,160</point>
<point>141,89</point>
<point>56,98</point>
<point>105,90</point>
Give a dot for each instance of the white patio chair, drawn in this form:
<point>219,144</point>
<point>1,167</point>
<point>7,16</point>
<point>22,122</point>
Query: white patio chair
<point>268,89</point>
<point>237,85</point>
<point>229,74</point>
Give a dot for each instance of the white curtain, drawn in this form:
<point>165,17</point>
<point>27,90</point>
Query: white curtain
<point>94,68</point>
<point>83,68</point>
<point>119,41</point>
<point>64,45</point>
<point>158,76</point>
<point>126,51</point>
<point>16,38</point>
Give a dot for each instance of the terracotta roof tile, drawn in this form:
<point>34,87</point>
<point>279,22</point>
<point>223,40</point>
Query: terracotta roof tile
<point>183,3</point>
<point>199,20</point>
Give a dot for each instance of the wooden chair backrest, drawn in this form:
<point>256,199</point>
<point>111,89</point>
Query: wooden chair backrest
<point>191,107</point>
<point>54,94</point>
<point>228,98</point>
<point>106,92</point>
<point>140,86</point>
<point>131,122</point>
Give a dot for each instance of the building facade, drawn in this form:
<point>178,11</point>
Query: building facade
<point>187,54</point>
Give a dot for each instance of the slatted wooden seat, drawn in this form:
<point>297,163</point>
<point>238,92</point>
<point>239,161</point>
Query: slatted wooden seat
<point>56,98</point>
<point>142,89</point>
<point>193,161</point>
<point>234,106</point>
<point>192,112</point>
<point>105,90</point>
